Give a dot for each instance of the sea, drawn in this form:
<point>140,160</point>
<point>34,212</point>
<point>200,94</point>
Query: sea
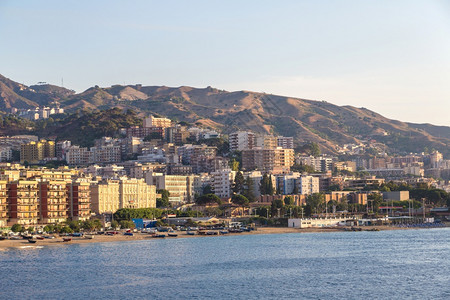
<point>394,264</point>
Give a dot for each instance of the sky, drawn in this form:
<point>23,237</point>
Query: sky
<point>392,57</point>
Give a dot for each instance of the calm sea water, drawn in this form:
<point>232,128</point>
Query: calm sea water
<point>403,264</point>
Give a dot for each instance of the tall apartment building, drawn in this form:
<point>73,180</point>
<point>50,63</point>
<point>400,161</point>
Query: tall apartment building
<point>23,202</point>
<point>266,141</point>
<point>80,200</point>
<point>267,159</point>
<point>5,153</point>
<point>320,164</point>
<point>142,132</point>
<point>242,140</point>
<point>180,187</point>
<point>111,195</point>
<point>152,121</point>
<point>33,152</point>
<point>307,185</point>
<point>191,154</point>
<point>285,142</point>
<point>53,201</point>
<point>76,155</point>
<point>106,154</point>
<point>177,135</point>
<point>105,197</point>
<point>221,182</point>
<point>3,203</point>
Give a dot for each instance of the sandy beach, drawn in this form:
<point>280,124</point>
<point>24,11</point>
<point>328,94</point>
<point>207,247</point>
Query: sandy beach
<point>58,241</point>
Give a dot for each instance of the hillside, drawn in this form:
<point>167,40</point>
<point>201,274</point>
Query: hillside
<point>305,120</point>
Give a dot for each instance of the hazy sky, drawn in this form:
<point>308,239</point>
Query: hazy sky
<point>392,57</point>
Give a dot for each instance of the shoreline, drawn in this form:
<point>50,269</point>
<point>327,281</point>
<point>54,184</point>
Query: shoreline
<point>58,241</point>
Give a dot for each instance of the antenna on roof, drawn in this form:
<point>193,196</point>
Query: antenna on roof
<point>62,81</point>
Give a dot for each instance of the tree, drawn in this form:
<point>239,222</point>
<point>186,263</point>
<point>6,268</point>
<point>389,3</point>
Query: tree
<point>277,205</point>
<point>234,165</point>
<point>376,199</point>
<point>30,229</point>
<point>114,224</point>
<point>66,229</point>
<point>240,200</point>
<point>17,228</point>
<point>307,210</point>
<point>302,168</point>
<point>127,224</point>
<point>207,189</point>
<point>316,201</point>
<point>289,200</point>
<point>248,191</point>
<point>164,200</point>
<point>49,228</point>
<point>74,225</point>
<point>92,224</point>
<point>208,199</point>
<point>239,182</point>
<point>266,187</point>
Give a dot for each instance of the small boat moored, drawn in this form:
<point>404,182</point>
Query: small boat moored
<point>158,235</point>
<point>32,241</point>
<point>67,239</point>
<point>172,234</point>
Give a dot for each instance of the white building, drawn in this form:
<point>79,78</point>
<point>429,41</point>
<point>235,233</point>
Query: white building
<point>221,182</point>
<point>180,187</point>
<point>242,140</point>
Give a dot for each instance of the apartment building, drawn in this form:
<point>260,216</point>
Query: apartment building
<point>285,142</point>
<point>111,195</point>
<point>266,142</point>
<point>23,202</point>
<point>320,164</point>
<point>34,152</point>
<point>307,185</point>
<point>53,201</point>
<point>80,200</point>
<point>242,140</point>
<point>105,197</point>
<point>221,182</point>
<point>180,187</point>
<point>76,155</point>
<point>267,159</point>
<point>5,153</point>
<point>3,203</point>
<point>152,121</point>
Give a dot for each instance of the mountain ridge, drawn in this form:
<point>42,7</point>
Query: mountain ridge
<point>306,120</point>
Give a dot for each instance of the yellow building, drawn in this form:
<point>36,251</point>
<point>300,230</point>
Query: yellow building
<point>33,152</point>
<point>3,203</point>
<point>111,195</point>
<point>23,202</point>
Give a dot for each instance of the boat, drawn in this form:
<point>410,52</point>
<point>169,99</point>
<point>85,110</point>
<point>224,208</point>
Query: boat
<point>172,234</point>
<point>15,237</point>
<point>27,237</point>
<point>160,235</point>
<point>212,233</point>
<point>89,236</point>
<point>67,239</point>
<point>32,241</point>
<point>223,232</point>
<point>190,233</point>
<point>49,237</point>
<point>128,233</point>
<point>40,238</point>
<point>2,238</point>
